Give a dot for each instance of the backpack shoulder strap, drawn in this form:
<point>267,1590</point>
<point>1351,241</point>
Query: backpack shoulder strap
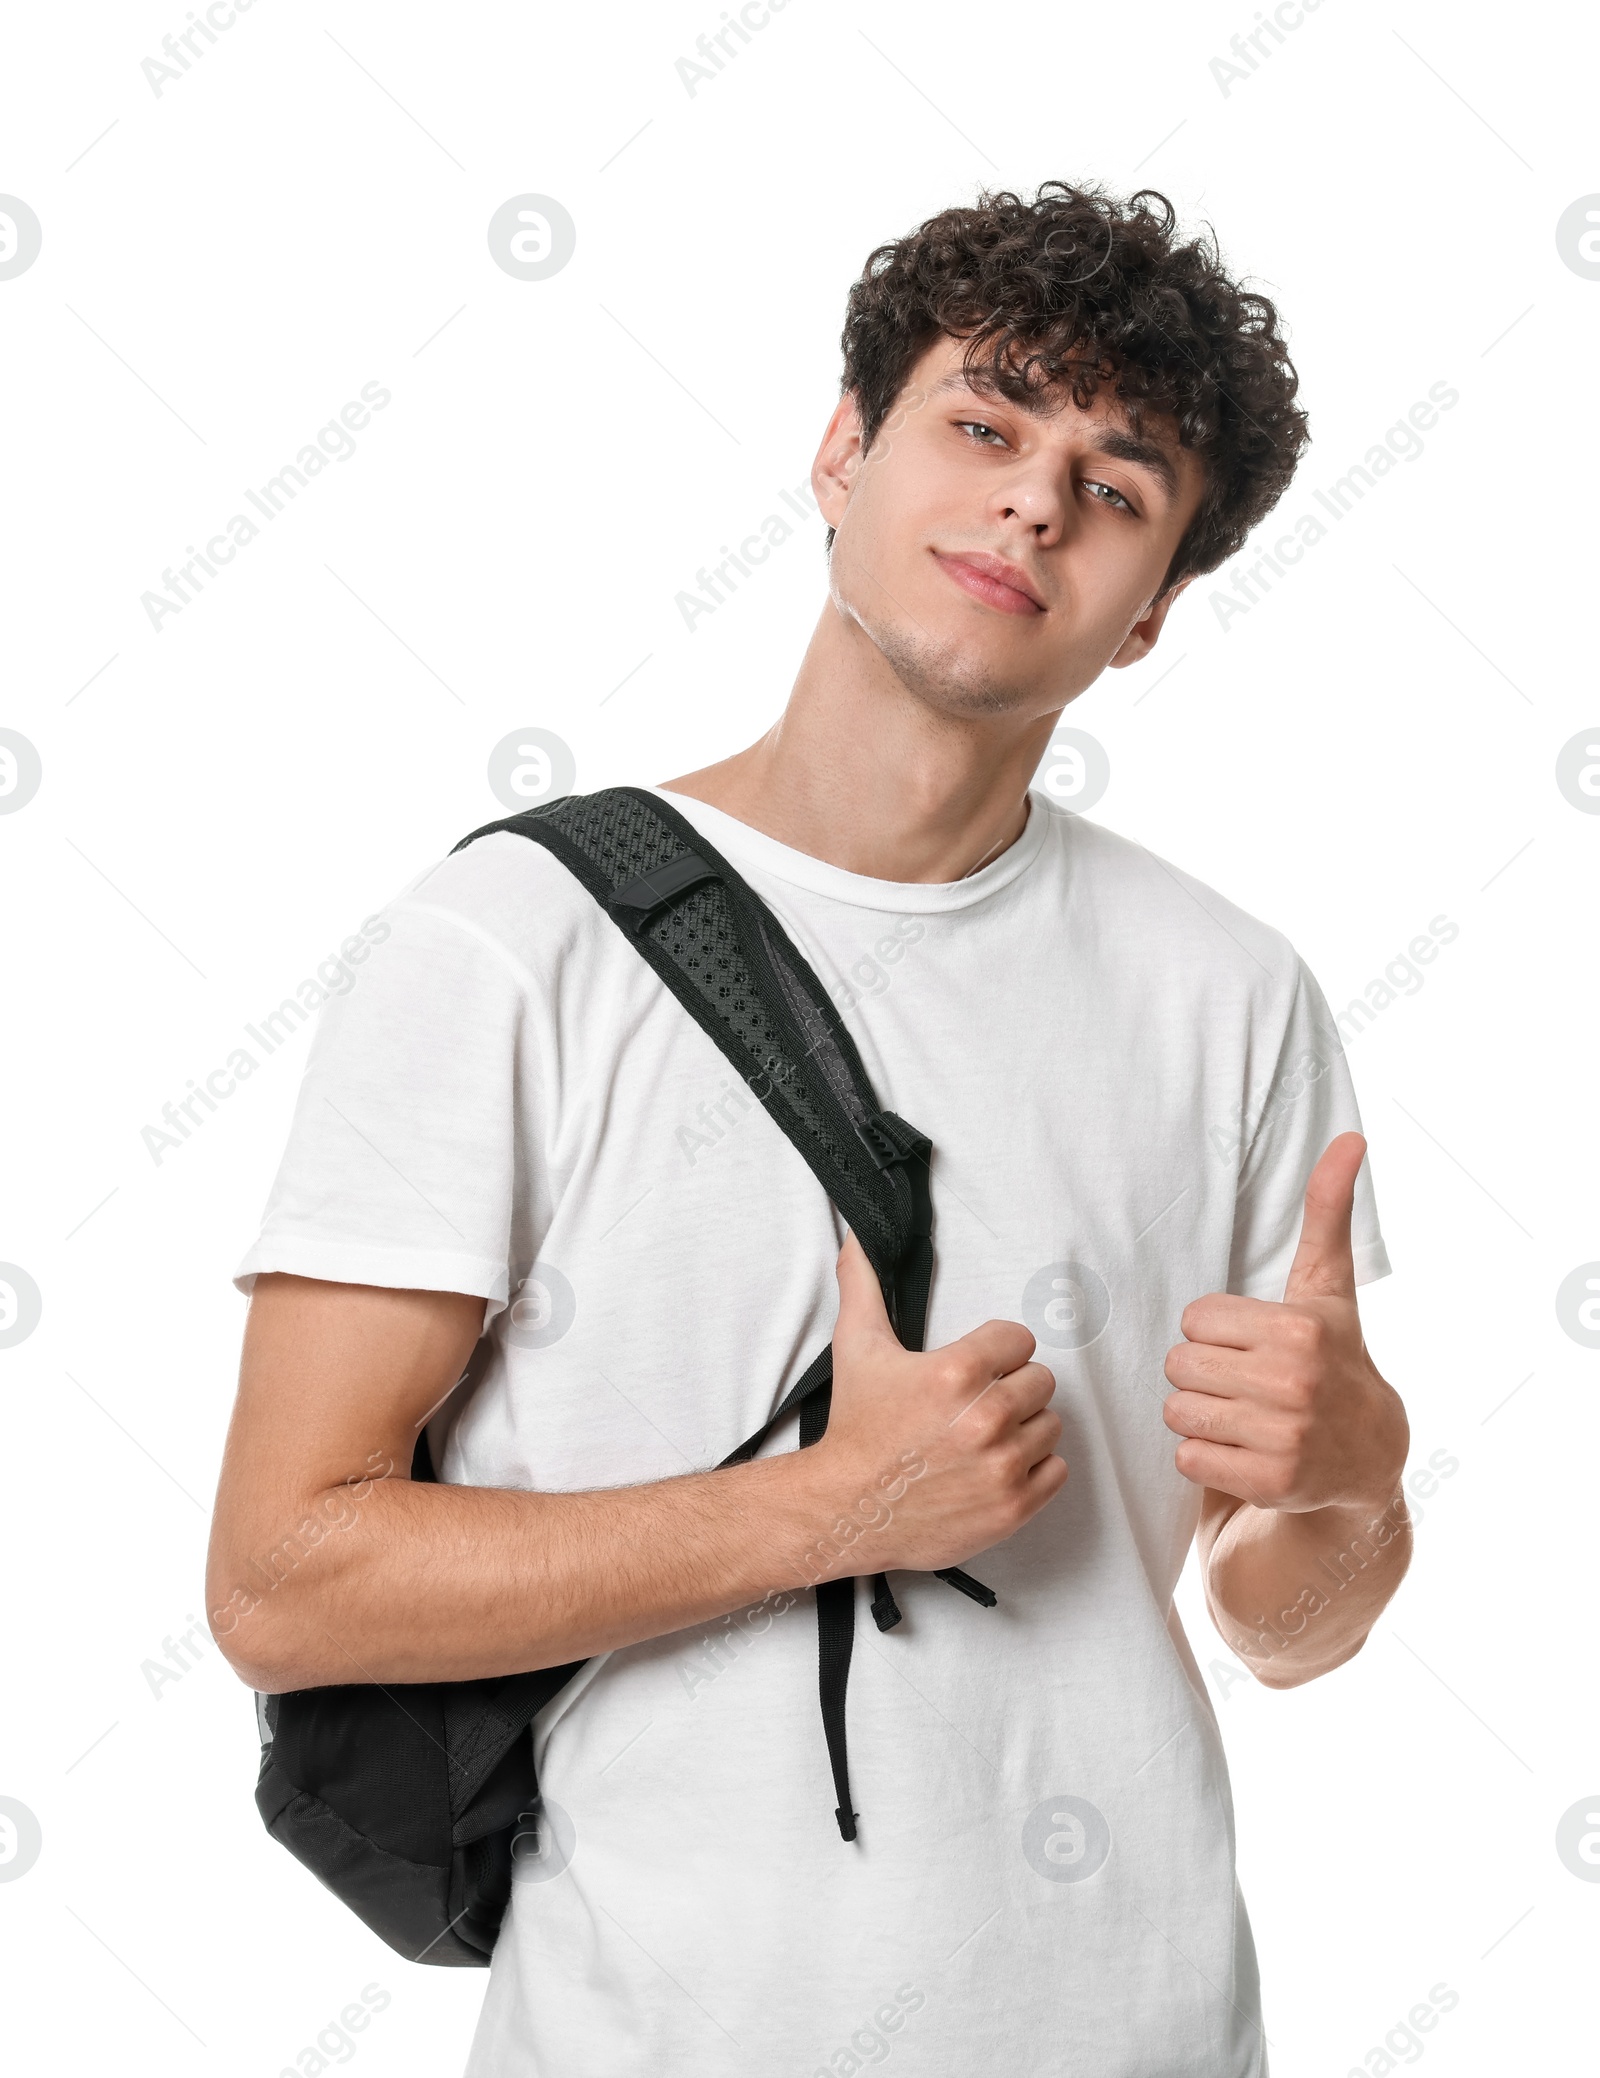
<point>728,960</point>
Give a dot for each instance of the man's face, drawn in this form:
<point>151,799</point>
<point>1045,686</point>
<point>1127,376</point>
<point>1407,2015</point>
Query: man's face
<point>1001,558</point>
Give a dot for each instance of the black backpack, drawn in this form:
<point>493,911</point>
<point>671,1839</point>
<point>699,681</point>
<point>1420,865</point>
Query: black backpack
<point>411,1802</point>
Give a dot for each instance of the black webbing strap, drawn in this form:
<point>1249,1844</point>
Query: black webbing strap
<point>731,965</point>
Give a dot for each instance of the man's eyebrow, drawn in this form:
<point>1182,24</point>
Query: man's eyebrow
<point>1144,454</point>
<point>1116,444</point>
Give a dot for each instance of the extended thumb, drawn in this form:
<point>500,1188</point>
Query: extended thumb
<point>1324,1263</point>
<point>861,1307</point>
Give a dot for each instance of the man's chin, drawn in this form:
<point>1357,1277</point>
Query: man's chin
<point>954,677</point>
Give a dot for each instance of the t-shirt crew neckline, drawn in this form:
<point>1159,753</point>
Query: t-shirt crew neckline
<point>747,847</point>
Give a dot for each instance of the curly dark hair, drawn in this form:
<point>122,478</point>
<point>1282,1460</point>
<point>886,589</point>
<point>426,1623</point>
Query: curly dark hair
<point>1078,288</point>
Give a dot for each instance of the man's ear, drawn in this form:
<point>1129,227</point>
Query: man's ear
<point>1142,637</point>
<point>837,460</point>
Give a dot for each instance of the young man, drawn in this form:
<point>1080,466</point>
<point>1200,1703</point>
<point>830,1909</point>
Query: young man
<point>515,1153</point>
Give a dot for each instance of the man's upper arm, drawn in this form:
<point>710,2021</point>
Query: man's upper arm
<point>335,1382</point>
<point>385,1244</point>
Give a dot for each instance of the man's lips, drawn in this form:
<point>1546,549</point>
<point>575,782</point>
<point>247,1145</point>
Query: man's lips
<point>993,580</point>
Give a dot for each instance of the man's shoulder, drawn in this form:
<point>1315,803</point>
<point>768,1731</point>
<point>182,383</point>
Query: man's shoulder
<point>511,894</point>
<point>1165,917</point>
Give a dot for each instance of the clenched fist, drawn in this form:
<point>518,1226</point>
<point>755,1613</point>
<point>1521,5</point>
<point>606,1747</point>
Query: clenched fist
<point>940,1454</point>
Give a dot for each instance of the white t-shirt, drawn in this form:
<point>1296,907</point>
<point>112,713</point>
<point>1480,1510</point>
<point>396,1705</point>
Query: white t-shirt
<point>1126,1082</point>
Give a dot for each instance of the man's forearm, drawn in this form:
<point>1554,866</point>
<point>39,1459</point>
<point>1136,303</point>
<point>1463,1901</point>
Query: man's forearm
<point>391,1581</point>
<point>319,1574</point>
<point>1295,1595</point>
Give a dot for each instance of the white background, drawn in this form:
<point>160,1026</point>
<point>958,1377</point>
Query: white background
<point>1369,747</point>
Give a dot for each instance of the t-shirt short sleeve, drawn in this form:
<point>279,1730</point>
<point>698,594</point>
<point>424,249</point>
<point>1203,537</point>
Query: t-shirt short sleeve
<point>400,1164</point>
<point>1308,1101</point>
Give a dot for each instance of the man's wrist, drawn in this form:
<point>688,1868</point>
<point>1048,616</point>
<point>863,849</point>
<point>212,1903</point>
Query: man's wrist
<point>837,1518</point>
<point>1384,1497</point>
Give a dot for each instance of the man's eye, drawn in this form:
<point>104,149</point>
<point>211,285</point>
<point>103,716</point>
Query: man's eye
<point>983,433</point>
<point>1111,495</point>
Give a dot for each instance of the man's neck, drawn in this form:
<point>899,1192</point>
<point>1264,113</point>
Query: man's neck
<point>859,772</point>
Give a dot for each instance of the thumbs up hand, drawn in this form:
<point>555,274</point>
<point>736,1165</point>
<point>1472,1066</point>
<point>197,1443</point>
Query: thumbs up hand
<point>1278,1402</point>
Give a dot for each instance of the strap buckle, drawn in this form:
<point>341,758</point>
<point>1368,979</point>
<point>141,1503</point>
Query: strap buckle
<point>877,1134</point>
<point>640,899</point>
<point>892,1145</point>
